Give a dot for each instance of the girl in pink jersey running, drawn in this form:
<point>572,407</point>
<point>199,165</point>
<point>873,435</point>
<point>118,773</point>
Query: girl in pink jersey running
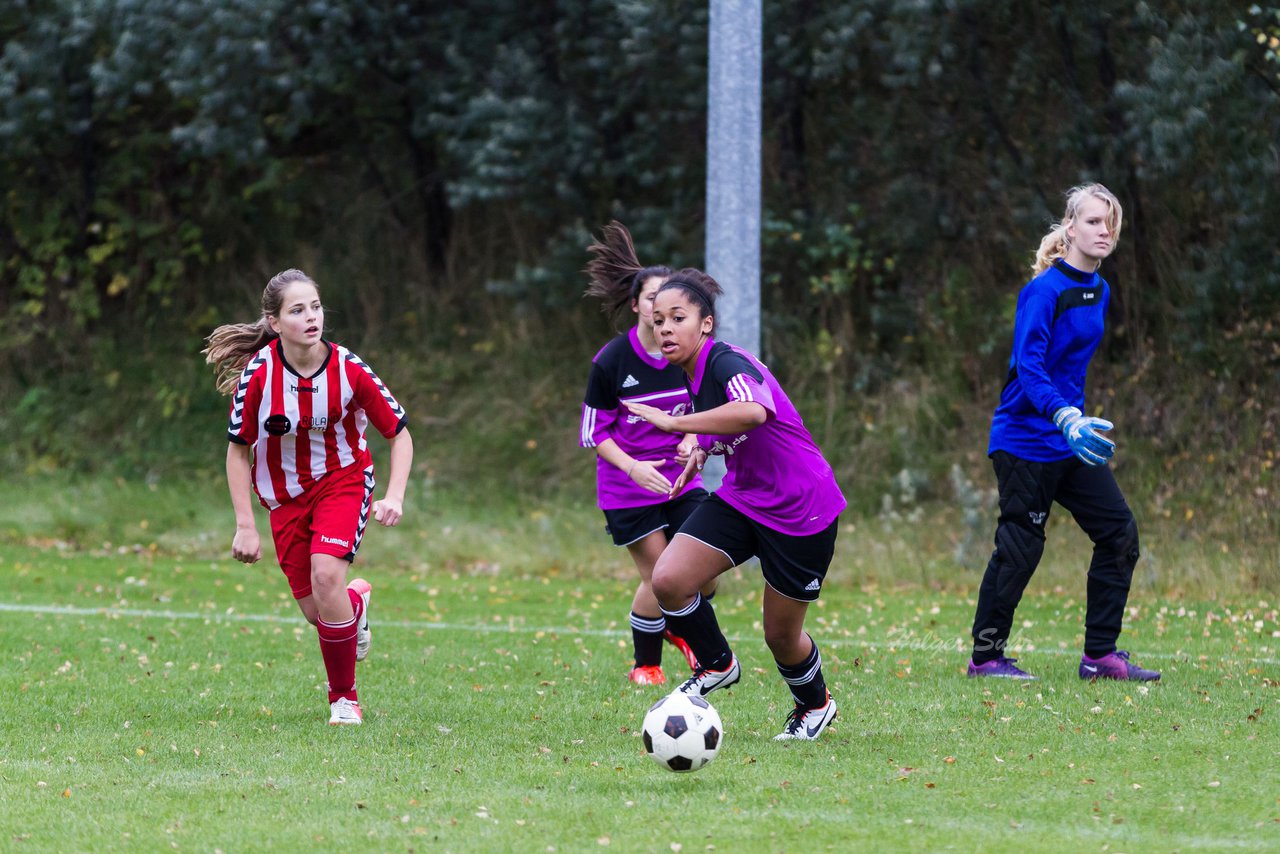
<point>299,408</point>
<point>636,463</point>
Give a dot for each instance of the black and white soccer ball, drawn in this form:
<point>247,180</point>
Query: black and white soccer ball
<point>682,732</point>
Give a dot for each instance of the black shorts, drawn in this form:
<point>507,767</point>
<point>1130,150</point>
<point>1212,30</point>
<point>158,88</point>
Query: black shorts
<point>793,566</point>
<point>629,525</point>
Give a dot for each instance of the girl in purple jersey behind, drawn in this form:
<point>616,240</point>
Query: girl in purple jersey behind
<point>779,501</point>
<point>636,463</point>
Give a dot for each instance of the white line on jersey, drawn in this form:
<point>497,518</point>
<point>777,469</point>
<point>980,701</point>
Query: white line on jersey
<point>677,392</point>
<point>589,415</point>
<point>739,389</point>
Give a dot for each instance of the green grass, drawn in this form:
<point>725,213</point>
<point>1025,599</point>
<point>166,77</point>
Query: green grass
<point>172,699</point>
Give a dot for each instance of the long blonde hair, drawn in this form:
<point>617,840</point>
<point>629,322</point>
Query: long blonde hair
<point>233,344</point>
<point>1055,244</point>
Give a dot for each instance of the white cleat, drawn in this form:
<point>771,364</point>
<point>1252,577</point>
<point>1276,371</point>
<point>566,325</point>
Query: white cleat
<point>807,724</point>
<point>364,636</point>
<point>705,680</point>
<point>344,712</point>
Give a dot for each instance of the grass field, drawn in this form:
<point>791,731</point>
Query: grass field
<point>162,697</point>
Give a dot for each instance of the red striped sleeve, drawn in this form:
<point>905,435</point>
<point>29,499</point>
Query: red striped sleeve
<point>302,442</point>
<point>333,394</point>
<point>275,461</point>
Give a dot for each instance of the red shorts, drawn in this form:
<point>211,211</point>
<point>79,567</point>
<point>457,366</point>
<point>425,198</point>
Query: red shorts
<point>329,520</point>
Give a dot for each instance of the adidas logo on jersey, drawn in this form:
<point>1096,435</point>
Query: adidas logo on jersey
<point>813,585</point>
<point>630,381</point>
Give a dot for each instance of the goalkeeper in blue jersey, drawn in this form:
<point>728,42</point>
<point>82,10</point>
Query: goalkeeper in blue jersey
<point>1045,449</point>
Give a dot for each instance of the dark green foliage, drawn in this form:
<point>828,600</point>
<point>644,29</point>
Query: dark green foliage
<point>440,166</point>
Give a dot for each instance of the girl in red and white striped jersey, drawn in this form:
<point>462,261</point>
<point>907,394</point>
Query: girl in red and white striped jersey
<point>299,408</point>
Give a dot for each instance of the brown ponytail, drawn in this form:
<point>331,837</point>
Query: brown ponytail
<point>616,275</point>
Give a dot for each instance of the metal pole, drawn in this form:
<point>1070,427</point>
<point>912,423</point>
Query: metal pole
<point>733,166</point>
<point>733,176</point>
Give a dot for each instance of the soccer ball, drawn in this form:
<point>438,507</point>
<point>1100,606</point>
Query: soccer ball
<point>682,732</point>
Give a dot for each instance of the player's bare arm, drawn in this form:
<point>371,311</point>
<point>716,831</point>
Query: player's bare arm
<point>390,509</point>
<point>246,546</point>
<point>736,416</point>
<point>645,473</point>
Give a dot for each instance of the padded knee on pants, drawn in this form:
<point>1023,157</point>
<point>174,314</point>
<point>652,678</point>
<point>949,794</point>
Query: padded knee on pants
<point>1020,546</point>
<point>1125,546</point>
<point>1116,557</point>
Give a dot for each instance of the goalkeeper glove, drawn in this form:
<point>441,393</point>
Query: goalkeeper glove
<point>1082,432</point>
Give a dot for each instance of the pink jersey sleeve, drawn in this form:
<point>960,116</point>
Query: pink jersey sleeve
<point>597,425</point>
<point>744,387</point>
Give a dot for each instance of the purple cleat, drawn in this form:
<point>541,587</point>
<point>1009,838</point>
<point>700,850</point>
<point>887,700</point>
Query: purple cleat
<point>1001,667</point>
<point>1115,666</point>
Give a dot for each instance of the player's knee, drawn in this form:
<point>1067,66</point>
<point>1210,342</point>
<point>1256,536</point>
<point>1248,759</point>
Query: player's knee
<point>1123,545</point>
<point>1129,544</point>
<point>787,643</point>
<point>327,574</point>
<point>1020,546</point>
<point>669,587</point>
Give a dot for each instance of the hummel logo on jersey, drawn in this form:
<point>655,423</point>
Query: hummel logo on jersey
<point>630,381</point>
<point>1036,517</point>
<point>813,585</point>
<point>334,541</point>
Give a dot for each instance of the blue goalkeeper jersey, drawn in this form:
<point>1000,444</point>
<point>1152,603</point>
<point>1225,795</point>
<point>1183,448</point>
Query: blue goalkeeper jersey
<point>1057,327</point>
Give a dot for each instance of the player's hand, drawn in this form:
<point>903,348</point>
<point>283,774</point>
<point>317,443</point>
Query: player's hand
<point>246,547</point>
<point>1084,435</point>
<point>664,421</point>
<point>686,447</point>
<point>697,459</point>
<point>387,512</point>
<point>645,473</point>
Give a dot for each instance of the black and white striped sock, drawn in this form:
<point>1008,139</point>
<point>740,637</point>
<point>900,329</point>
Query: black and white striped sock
<point>646,635</point>
<point>697,624</point>
<point>805,679</point>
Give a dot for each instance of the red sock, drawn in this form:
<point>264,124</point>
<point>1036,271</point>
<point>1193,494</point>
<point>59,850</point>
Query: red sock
<point>357,604</point>
<point>338,648</point>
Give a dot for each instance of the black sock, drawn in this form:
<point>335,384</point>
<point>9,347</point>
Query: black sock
<point>646,634</point>
<point>805,679</point>
<point>696,623</point>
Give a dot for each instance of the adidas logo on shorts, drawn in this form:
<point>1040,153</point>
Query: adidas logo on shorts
<point>813,585</point>
<point>630,381</point>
